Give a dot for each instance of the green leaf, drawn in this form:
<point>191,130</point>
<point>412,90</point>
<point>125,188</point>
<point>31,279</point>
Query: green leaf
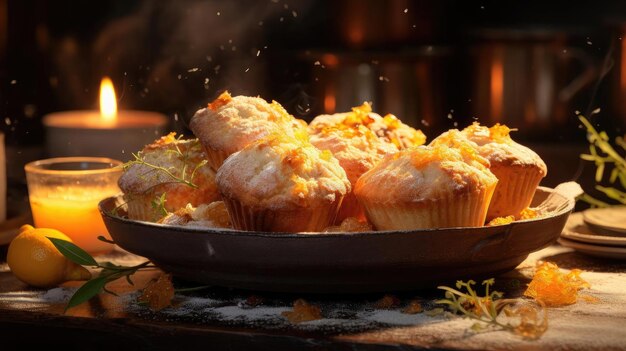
<point>73,252</point>
<point>102,238</point>
<point>90,289</point>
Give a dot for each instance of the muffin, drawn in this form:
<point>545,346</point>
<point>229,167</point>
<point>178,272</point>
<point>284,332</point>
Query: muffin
<point>389,128</point>
<point>282,184</point>
<point>166,176</point>
<point>228,124</point>
<point>357,149</point>
<point>427,187</point>
<point>518,168</point>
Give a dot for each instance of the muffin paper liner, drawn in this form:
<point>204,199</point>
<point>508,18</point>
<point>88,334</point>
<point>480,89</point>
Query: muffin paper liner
<point>294,220</point>
<point>515,190</point>
<point>467,210</point>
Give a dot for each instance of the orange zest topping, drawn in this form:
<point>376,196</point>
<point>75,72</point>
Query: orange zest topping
<point>552,288</point>
<point>302,312</point>
<point>221,100</point>
<point>528,213</point>
<point>500,133</point>
<point>501,221</point>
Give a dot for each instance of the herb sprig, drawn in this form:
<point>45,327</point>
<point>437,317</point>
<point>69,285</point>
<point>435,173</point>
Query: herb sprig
<point>109,271</point>
<point>605,156</point>
<point>491,311</point>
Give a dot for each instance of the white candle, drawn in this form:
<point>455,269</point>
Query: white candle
<point>107,133</point>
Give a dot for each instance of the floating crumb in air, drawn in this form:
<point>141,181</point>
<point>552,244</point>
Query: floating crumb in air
<point>281,19</point>
<point>286,6</point>
<point>449,116</point>
<point>577,112</point>
<point>414,26</point>
<point>218,13</point>
<point>180,76</point>
<point>258,53</point>
<point>596,111</point>
<point>414,307</point>
<point>294,13</point>
<point>7,121</point>
<point>317,63</point>
<point>406,10</point>
<point>195,69</point>
<point>260,23</point>
<point>209,58</point>
<point>302,312</point>
<point>456,124</point>
<point>382,78</point>
<point>387,302</point>
<point>247,69</point>
<point>425,123</point>
<point>176,116</point>
<point>13,82</point>
<point>233,48</point>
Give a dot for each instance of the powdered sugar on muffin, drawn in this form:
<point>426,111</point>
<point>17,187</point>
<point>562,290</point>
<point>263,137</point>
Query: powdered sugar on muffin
<point>170,166</point>
<point>389,128</point>
<point>229,123</point>
<point>427,187</point>
<point>293,184</point>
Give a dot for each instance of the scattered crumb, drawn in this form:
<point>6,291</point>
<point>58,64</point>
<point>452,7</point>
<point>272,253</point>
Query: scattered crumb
<point>387,302</point>
<point>414,307</point>
<point>302,312</point>
<point>159,293</point>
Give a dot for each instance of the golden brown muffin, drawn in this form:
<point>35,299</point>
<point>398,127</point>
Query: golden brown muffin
<point>518,168</point>
<point>358,149</point>
<point>389,128</point>
<point>228,124</point>
<point>427,187</point>
<point>282,184</point>
<point>166,176</point>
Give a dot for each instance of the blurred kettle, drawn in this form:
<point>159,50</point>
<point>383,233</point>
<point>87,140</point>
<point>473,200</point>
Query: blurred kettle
<point>527,79</point>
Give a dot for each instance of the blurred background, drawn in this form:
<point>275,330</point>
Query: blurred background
<point>530,64</point>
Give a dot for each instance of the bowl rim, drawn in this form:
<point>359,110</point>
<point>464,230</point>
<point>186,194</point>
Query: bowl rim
<point>317,235</point>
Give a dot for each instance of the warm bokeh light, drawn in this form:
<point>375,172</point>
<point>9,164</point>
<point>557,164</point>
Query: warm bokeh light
<point>108,101</point>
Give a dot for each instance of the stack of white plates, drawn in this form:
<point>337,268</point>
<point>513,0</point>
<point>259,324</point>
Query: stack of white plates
<point>597,232</point>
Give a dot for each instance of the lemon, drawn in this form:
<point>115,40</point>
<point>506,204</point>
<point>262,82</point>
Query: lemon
<point>34,260</point>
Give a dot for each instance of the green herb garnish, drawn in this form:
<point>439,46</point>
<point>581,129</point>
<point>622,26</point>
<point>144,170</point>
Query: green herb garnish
<point>109,271</point>
<point>492,312</point>
<point>605,157</point>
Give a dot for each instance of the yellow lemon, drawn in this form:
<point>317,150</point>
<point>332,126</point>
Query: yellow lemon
<point>34,260</point>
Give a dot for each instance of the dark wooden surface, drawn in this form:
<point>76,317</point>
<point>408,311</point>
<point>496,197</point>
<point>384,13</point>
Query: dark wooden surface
<point>108,322</point>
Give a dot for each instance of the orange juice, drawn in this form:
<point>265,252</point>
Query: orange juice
<point>77,217</point>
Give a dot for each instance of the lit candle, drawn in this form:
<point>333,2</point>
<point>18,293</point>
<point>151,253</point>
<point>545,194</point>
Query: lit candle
<point>107,133</point>
<point>64,194</point>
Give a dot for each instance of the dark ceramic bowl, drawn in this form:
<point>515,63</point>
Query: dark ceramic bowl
<point>336,262</point>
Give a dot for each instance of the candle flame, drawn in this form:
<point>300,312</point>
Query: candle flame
<point>108,101</point>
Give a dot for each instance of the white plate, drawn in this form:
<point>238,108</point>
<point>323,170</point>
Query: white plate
<point>595,250</point>
<point>611,219</point>
<point>576,229</point>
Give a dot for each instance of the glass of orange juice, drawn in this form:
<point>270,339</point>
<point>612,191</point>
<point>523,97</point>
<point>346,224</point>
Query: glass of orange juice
<point>64,193</point>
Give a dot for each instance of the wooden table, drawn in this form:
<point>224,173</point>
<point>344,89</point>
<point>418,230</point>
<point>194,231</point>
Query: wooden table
<point>216,319</point>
